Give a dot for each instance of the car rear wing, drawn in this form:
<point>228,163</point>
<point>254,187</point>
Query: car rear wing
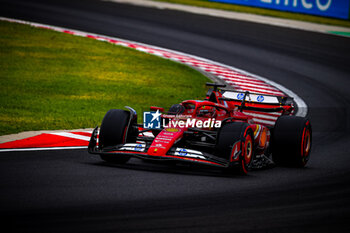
<point>229,95</point>
<point>257,102</point>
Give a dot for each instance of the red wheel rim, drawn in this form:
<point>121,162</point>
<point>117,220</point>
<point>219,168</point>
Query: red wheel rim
<point>305,145</point>
<point>248,149</point>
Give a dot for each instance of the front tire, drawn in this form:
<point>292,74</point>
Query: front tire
<point>291,141</point>
<point>113,131</point>
<point>230,134</point>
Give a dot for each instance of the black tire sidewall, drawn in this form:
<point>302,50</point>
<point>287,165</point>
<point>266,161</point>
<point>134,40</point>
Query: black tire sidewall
<point>113,127</point>
<point>287,139</point>
<point>228,135</point>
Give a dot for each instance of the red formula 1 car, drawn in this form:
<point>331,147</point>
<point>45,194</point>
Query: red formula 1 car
<point>232,130</point>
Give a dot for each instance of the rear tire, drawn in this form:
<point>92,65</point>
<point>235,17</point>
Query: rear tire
<point>113,132</point>
<point>228,135</point>
<point>291,141</point>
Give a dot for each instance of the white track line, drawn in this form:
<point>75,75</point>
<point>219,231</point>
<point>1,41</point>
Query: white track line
<point>71,135</point>
<point>43,148</point>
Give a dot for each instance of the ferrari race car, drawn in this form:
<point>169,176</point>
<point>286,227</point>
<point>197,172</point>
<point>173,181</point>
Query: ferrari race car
<point>232,130</point>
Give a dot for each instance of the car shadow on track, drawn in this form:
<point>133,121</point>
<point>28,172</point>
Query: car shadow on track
<point>182,169</point>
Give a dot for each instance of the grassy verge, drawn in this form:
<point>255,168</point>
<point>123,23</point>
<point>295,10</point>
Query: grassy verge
<point>261,11</point>
<point>51,80</point>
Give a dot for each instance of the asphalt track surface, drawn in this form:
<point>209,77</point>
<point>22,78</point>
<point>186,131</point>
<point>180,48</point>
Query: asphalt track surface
<point>72,191</point>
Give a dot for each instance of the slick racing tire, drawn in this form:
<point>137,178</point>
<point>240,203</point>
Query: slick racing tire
<point>228,135</point>
<point>291,141</point>
<point>113,132</point>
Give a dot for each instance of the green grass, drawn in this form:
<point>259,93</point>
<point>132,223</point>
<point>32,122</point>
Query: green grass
<point>261,11</point>
<point>51,80</point>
